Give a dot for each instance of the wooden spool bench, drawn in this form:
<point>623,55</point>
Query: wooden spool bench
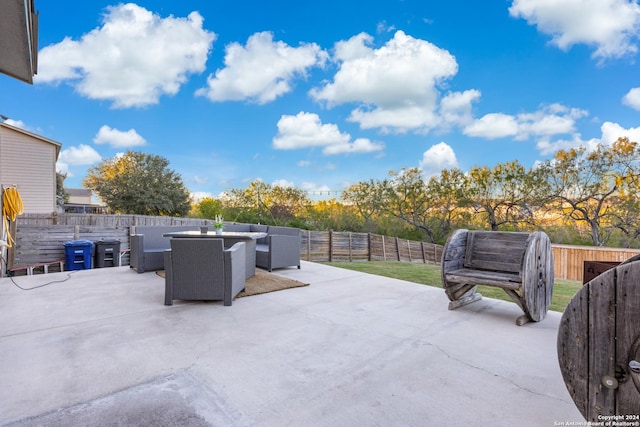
<point>519,263</point>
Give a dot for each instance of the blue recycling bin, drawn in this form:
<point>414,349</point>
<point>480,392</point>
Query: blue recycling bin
<point>77,254</point>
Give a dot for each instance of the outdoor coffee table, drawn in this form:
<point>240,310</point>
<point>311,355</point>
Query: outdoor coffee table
<point>230,238</point>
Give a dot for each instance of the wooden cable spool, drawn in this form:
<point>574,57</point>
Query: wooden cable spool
<point>599,344</point>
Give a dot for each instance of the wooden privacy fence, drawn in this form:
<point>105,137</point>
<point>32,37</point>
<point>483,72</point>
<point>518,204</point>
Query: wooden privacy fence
<point>337,246</point>
<point>40,238</point>
<point>569,260</point>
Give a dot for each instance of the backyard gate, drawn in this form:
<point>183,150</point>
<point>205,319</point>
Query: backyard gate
<point>599,345</point>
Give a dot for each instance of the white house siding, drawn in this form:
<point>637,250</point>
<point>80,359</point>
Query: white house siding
<point>28,162</point>
<point>78,196</point>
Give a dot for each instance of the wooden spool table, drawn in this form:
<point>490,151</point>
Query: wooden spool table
<point>599,345</point>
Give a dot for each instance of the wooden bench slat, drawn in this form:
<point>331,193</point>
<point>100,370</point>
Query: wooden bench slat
<point>497,251</point>
<point>490,278</point>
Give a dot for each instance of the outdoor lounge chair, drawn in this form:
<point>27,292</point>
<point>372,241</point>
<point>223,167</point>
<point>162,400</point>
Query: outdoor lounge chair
<point>281,248</point>
<point>201,269</point>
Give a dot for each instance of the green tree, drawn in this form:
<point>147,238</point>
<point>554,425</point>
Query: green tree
<point>286,203</point>
<point>266,204</point>
<point>406,198</point>
<point>587,187</point>
<point>366,198</point>
<point>139,183</point>
<point>504,195</point>
<point>405,204</point>
<point>446,194</point>
<point>333,215</point>
<point>61,196</point>
<point>208,207</point>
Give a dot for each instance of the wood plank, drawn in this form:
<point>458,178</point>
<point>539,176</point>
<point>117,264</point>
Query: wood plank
<point>498,251</point>
<point>602,337</point>
<point>488,278</point>
<point>573,349</point>
<point>537,276</point>
<point>628,336</point>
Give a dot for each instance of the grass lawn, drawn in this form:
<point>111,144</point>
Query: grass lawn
<point>428,274</point>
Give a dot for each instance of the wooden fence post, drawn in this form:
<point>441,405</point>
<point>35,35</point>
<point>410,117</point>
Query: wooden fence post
<point>384,250</point>
<point>330,245</point>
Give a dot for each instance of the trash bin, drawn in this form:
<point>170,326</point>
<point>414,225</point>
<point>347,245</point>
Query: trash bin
<point>107,253</point>
<point>77,254</point>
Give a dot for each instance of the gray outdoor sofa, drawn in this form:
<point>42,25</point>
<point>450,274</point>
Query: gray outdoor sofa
<point>148,245</point>
<point>281,247</point>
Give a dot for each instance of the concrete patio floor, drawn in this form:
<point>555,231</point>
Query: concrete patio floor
<point>352,349</point>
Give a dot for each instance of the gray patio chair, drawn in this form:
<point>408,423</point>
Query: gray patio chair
<point>281,248</point>
<point>201,269</point>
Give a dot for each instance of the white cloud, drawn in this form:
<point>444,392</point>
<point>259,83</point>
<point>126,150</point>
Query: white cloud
<point>383,27</point>
<point>554,119</point>
<point>63,168</point>
<point>610,132</point>
<point>132,59</point>
<point>610,25</point>
<point>438,157</point>
<point>399,119</point>
<point>117,138</point>
<point>81,155</point>
<point>330,166</point>
<point>315,189</point>
<point>262,70</point>
<point>493,125</point>
<point>546,147</point>
<point>283,183</point>
<point>395,85</point>
<point>305,130</point>
<point>359,146</point>
<point>200,180</point>
<point>632,98</point>
<point>303,163</point>
<point>455,108</point>
<point>17,123</point>
<point>198,196</point>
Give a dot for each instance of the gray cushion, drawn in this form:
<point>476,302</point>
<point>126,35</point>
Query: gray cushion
<point>260,228</point>
<point>235,226</point>
<point>284,231</point>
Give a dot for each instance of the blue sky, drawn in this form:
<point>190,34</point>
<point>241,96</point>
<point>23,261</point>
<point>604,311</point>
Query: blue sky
<point>324,94</point>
